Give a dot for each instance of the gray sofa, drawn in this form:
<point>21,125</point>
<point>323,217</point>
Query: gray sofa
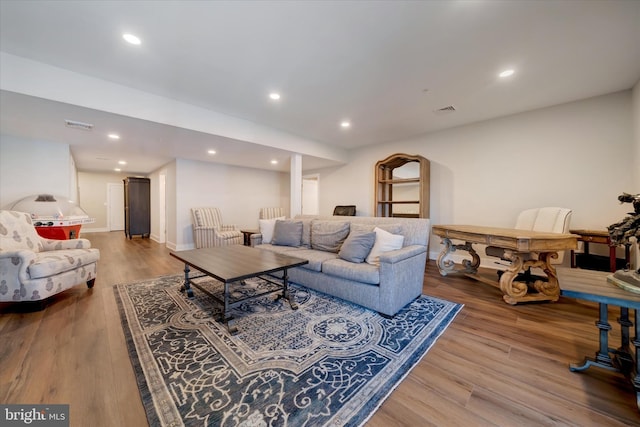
<point>386,287</point>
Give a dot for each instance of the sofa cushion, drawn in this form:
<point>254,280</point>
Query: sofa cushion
<point>385,242</point>
<point>55,262</point>
<point>363,272</point>
<point>368,228</point>
<point>328,235</point>
<point>315,258</point>
<point>287,250</point>
<point>357,246</point>
<point>266,228</point>
<point>287,233</point>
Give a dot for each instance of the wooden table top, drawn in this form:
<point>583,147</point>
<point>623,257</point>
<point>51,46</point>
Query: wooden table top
<point>509,238</point>
<point>236,262</point>
<point>597,233</point>
<point>593,286</point>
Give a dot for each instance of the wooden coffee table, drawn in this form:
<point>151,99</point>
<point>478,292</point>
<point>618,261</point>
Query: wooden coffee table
<point>236,263</point>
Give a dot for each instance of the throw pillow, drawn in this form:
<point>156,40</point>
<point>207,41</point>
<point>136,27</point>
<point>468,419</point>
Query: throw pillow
<point>266,228</point>
<point>385,242</point>
<point>357,246</point>
<point>287,233</point>
<point>328,235</point>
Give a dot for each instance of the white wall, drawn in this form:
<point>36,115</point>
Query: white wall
<point>575,155</point>
<point>93,196</point>
<point>238,192</point>
<point>30,167</point>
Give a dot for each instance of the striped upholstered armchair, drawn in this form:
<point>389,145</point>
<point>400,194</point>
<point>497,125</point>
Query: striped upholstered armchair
<point>270,213</point>
<point>208,230</point>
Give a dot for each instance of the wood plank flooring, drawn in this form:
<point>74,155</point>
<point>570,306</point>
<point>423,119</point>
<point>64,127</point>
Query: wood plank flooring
<point>496,365</point>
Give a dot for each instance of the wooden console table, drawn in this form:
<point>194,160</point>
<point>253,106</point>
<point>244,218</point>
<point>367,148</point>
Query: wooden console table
<point>593,286</point>
<point>520,245</point>
<point>601,237</point>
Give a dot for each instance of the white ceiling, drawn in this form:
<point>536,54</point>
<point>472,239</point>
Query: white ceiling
<point>384,65</point>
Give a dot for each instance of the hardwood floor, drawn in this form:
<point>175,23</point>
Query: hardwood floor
<point>495,365</point>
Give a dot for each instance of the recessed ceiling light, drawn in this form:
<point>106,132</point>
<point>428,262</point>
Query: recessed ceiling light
<point>122,162</point>
<point>506,73</point>
<point>345,124</point>
<point>117,169</point>
<point>113,136</point>
<point>275,96</point>
<point>131,39</point>
<point>211,151</point>
<point>274,162</point>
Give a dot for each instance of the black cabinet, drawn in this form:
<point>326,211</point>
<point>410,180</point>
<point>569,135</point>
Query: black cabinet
<point>137,207</point>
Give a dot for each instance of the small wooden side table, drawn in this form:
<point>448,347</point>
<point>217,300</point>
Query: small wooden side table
<point>247,235</point>
<point>601,237</point>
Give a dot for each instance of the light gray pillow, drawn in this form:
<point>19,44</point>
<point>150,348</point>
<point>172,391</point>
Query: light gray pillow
<point>328,235</point>
<point>287,233</point>
<point>357,246</point>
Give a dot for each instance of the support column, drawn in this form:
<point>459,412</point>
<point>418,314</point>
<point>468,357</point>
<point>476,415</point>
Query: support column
<point>295,172</point>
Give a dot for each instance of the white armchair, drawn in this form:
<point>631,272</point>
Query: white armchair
<point>209,231</point>
<point>33,268</point>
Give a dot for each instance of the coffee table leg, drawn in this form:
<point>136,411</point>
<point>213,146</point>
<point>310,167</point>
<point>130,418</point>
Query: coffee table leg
<point>285,290</point>
<point>227,316</point>
<point>602,358</point>
<point>186,286</point>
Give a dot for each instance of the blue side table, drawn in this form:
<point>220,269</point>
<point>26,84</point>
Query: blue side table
<point>592,285</point>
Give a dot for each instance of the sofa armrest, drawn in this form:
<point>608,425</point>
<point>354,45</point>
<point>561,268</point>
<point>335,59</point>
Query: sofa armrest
<point>229,227</point>
<point>398,255</point>
<point>15,264</point>
<point>55,245</point>
<point>255,239</point>
<point>401,277</point>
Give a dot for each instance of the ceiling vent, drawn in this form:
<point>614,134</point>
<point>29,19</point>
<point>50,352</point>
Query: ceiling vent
<point>78,125</point>
<point>445,110</point>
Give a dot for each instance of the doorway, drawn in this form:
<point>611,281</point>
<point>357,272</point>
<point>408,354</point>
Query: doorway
<point>115,206</point>
<point>310,195</point>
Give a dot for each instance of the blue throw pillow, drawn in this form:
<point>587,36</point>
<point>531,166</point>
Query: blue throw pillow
<point>287,233</point>
<point>357,246</point>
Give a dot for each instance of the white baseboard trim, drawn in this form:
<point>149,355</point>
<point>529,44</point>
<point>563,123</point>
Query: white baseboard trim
<point>185,247</point>
<point>93,230</point>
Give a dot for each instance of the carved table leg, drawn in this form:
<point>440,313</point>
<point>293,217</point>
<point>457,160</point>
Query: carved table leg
<point>446,266</point>
<point>515,291</point>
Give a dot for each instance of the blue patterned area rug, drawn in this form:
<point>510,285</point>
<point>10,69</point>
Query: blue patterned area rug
<point>329,363</point>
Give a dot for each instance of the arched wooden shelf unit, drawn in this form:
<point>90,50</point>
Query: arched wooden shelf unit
<point>402,186</point>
